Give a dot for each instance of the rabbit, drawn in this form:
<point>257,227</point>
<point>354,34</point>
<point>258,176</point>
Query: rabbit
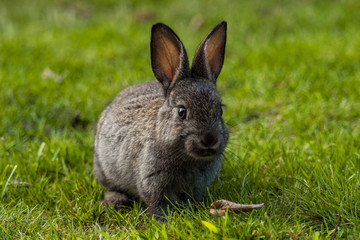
<point>162,142</point>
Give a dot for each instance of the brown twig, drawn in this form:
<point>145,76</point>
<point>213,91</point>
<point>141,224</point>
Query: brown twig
<point>294,236</point>
<point>337,227</point>
<point>219,207</point>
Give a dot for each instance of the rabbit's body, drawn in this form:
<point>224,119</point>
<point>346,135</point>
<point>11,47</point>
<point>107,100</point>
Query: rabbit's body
<point>163,140</point>
<point>122,127</point>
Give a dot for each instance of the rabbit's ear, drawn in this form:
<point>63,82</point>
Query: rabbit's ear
<point>209,56</point>
<point>168,56</point>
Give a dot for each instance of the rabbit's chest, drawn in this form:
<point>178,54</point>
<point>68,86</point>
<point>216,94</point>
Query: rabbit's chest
<point>185,179</point>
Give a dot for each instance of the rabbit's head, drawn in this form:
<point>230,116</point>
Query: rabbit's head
<point>190,120</point>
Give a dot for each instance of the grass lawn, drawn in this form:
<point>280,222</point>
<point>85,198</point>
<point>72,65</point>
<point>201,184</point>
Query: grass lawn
<point>290,82</point>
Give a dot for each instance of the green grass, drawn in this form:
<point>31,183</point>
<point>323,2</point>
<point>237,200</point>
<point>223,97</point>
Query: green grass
<point>291,83</point>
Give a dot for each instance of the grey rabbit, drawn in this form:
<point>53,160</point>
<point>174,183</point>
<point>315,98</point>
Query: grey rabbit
<point>162,142</point>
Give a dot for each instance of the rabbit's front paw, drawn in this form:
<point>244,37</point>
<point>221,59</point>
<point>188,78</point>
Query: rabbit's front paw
<point>118,200</point>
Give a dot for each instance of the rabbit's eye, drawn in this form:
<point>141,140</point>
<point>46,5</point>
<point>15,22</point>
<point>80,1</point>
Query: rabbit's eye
<point>182,112</point>
<point>221,109</point>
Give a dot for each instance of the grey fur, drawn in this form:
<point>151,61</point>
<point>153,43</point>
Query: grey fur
<point>144,150</point>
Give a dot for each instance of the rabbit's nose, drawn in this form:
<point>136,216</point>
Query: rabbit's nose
<point>209,139</point>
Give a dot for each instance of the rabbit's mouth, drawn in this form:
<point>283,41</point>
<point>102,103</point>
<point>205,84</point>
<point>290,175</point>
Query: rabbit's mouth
<point>205,145</point>
<point>204,153</point>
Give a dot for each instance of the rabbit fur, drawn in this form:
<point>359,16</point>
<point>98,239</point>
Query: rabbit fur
<point>162,141</point>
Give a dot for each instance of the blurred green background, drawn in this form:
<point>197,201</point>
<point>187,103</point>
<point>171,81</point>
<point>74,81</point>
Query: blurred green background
<point>290,83</point>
